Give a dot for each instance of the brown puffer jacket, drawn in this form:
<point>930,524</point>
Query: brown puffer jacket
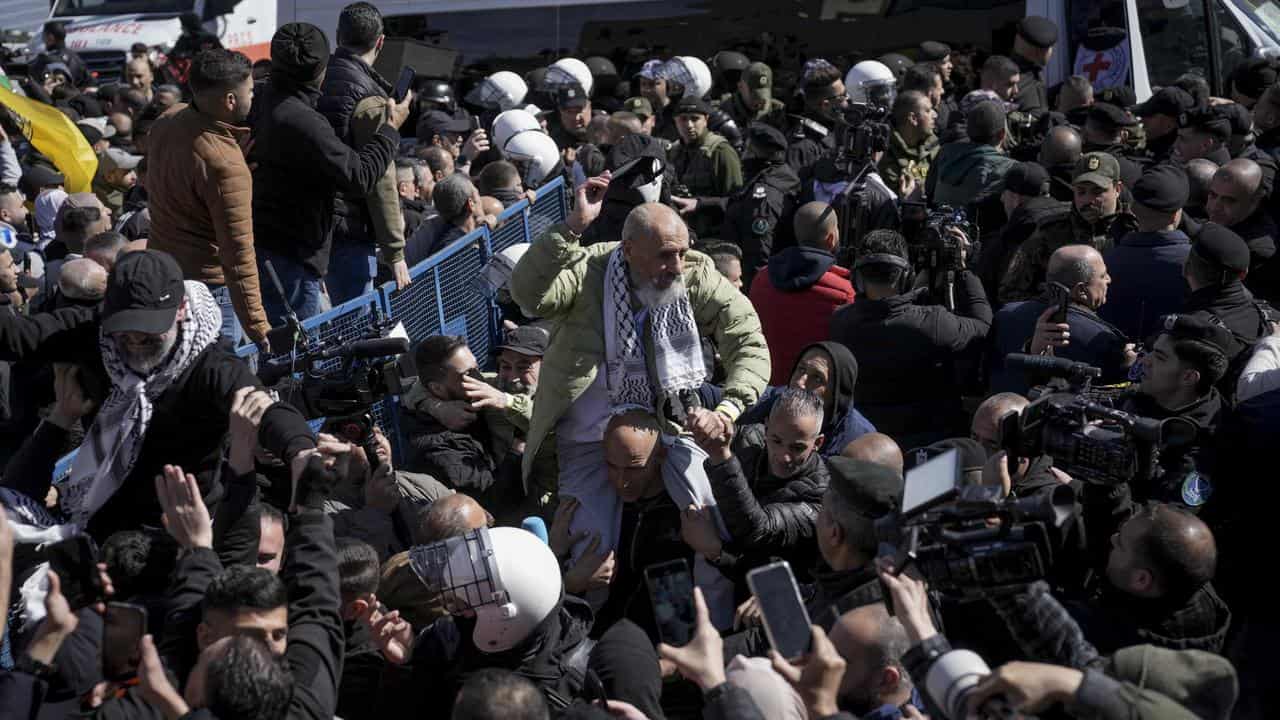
<point>201,195</point>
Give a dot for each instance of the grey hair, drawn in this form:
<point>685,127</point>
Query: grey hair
<point>646,219</point>
<point>451,196</point>
<point>796,403</point>
<point>890,644</point>
<point>1070,271</point>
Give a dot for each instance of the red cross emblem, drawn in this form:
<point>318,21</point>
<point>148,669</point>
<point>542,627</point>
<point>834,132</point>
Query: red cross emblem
<point>1100,63</point>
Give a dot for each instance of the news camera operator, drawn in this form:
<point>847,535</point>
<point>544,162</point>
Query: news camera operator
<point>909,351</point>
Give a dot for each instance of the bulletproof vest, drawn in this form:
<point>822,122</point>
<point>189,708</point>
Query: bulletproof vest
<point>694,166</point>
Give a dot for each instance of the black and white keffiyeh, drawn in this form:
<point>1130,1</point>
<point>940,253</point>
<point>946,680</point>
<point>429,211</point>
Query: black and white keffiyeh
<point>677,351</point>
<point>111,445</point>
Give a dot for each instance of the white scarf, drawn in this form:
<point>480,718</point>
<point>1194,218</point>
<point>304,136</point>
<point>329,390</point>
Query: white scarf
<point>677,351</point>
<point>112,444</point>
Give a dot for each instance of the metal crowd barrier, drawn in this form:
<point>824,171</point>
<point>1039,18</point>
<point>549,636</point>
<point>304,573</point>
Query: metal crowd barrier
<point>445,297</point>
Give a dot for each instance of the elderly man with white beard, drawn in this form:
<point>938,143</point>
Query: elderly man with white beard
<point>629,318</point>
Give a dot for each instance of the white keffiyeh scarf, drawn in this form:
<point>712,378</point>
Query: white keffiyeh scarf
<point>111,445</point>
<point>677,351</point>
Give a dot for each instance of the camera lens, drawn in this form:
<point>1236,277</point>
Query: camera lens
<point>951,679</point>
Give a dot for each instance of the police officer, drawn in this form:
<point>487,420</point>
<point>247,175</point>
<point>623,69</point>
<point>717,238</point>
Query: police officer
<point>727,67</point>
<point>643,109</point>
<point>758,217</point>
<point>1106,129</point>
<point>812,134</point>
<point>568,127</point>
<point>1179,371</point>
<point>752,100</point>
<point>1215,271</point>
<point>1032,48</point>
<point>1161,119</point>
<point>604,86</point>
<point>706,165</point>
<point>1204,133</point>
<point>437,94</point>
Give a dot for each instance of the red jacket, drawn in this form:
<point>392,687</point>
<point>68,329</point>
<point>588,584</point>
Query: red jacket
<point>795,298</point>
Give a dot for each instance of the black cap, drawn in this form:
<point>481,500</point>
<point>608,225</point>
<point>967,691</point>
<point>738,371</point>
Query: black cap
<point>692,106</point>
<point>91,133</point>
<point>1111,117</point>
<point>972,454</point>
<point>571,96</point>
<point>1221,247</point>
<point>767,137</point>
<point>1207,120</point>
<point>897,63</point>
<point>1027,178</point>
<point>1193,327</point>
<point>874,490</point>
<point>528,340</point>
<point>1121,95</point>
<point>933,51</point>
<point>1171,101</point>
<point>299,51</point>
<point>144,292</point>
<point>437,122</point>
<point>1238,117</point>
<point>41,176</point>
<point>1163,188</point>
<point>1038,31</point>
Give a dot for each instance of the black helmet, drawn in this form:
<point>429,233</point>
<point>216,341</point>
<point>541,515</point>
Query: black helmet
<point>601,67</point>
<point>897,63</point>
<point>729,61</point>
<point>536,78</point>
<point>436,94</point>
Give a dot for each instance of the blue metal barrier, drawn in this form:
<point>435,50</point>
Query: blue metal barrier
<point>444,298</point>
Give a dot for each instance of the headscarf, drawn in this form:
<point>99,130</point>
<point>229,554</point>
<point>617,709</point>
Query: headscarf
<point>842,377</point>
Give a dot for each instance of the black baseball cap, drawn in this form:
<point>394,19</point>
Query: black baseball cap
<point>1110,116</point>
<point>1038,31</point>
<point>874,490</point>
<point>1238,117</point>
<point>692,106</point>
<point>1163,188</point>
<point>144,293</point>
<point>933,51</point>
<point>1207,120</point>
<point>1192,327</point>
<point>571,96</point>
<point>1027,178</point>
<point>1222,247</point>
<point>1171,101</point>
<point>528,340</point>
<point>437,122</point>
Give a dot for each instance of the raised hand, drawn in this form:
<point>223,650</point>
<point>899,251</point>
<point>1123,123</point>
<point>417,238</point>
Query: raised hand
<point>185,515</point>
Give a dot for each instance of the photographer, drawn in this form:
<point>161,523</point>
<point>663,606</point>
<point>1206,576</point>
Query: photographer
<point>1178,377</point>
<point>907,350</point>
<point>1084,337</point>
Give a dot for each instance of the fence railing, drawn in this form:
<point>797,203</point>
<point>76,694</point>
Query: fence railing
<point>444,297</point>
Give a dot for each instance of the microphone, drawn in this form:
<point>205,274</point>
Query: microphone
<point>375,348</point>
<point>1060,367</point>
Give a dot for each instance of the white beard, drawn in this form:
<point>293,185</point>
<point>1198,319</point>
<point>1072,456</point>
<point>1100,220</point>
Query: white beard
<point>651,296</point>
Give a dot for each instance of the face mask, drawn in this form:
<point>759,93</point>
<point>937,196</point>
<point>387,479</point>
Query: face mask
<point>651,191</point>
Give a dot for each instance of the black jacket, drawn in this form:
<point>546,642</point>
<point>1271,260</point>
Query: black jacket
<point>910,357</point>
<point>811,139</point>
<point>996,254</point>
<point>1093,342</point>
<point>768,516</point>
<point>1032,94</point>
<point>1232,306</point>
<point>347,81</point>
<point>553,658</point>
<point>301,166</point>
<point>758,217</point>
<point>1186,472</point>
<point>189,422</point>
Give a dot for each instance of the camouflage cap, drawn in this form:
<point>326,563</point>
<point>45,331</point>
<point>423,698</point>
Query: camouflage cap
<point>1098,168</point>
<point>638,106</point>
<point>759,80</point>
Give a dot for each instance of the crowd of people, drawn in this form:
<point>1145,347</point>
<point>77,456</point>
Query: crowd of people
<point>752,326</point>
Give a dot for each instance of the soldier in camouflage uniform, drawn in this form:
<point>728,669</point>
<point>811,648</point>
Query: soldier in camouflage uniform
<point>1097,218</point>
<point>913,145</point>
<point>706,165</point>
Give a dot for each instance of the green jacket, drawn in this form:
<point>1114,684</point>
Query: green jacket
<point>709,169</point>
<point>901,159</point>
<point>561,281</point>
<point>775,113</point>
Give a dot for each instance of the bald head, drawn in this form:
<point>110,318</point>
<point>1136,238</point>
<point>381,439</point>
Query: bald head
<point>451,516</point>
<point>1179,547</point>
<point>816,226</point>
<point>1062,146</point>
<point>491,205</point>
<point>872,643</point>
<point>83,279</point>
<point>655,241</point>
<point>875,448</point>
<point>1082,271</point>
<point>986,420</point>
<point>1235,192</point>
<point>649,221</point>
<point>633,454</point>
<point>1200,172</point>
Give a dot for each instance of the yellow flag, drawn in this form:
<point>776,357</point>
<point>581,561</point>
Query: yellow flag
<point>56,137</point>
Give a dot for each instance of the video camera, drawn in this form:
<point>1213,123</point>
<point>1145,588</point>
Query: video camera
<point>1088,440</point>
<point>970,541</point>
<point>339,379</point>
<point>862,131</point>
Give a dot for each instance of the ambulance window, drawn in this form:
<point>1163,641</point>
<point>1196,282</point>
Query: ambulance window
<point>1234,46</point>
<point>1174,38</point>
<point>1099,43</point>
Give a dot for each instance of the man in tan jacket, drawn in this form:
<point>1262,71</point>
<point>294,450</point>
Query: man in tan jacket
<point>202,192</point>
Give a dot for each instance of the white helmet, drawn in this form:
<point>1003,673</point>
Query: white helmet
<point>507,576</point>
<point>502,90</point>
<point>870,82</point>
<point>511,123</point>
<point>567,71</point>
<point>690,72</point>
<point>535,154</point>
<point>497,272</point>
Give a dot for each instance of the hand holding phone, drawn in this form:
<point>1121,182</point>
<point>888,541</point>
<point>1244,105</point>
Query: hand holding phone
<point>403,83</point>
<point>786,621</point>
<point>671,594</point>
<point>1060,298</point>
<point>122,629</point>
<point>701,660</point>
